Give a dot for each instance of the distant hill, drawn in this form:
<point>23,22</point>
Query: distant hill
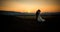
<point>14,13</point>
<point>25,14</point>
<point>50,14</point>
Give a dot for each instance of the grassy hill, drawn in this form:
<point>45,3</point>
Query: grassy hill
<point>29,15</point>
<point>18,22</point>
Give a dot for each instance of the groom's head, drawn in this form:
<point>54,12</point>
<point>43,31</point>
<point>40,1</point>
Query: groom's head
<point>39,10</point>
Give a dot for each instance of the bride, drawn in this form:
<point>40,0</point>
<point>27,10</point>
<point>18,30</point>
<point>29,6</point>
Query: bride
<point>38,17</point>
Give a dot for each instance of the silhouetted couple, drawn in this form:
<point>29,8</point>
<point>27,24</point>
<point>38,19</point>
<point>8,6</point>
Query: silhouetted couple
<point>38,17</point>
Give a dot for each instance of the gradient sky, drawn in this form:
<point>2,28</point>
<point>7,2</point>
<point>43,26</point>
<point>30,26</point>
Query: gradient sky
<point>30,6</point>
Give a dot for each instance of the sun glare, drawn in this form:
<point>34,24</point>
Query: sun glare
<point>29,8</point>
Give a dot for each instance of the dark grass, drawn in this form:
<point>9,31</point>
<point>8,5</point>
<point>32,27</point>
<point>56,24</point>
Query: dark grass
<point>16,24</point>
<point>29,24</point>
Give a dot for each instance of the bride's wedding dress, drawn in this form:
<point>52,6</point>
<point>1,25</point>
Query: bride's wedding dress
<point>40,19</point>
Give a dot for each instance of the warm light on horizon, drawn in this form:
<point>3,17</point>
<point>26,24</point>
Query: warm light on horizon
<point>30,6</point>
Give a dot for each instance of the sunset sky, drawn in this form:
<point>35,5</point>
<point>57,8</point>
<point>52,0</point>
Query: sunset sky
<point>30,6</point>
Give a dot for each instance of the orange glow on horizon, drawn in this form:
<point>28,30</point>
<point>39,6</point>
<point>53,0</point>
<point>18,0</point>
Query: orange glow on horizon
<point>29,7</point>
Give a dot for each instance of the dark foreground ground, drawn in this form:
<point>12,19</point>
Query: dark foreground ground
<point>17,24</point>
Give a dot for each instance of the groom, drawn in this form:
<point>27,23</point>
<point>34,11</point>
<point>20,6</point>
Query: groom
<point>37,14</point>
<point>39,19</point>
